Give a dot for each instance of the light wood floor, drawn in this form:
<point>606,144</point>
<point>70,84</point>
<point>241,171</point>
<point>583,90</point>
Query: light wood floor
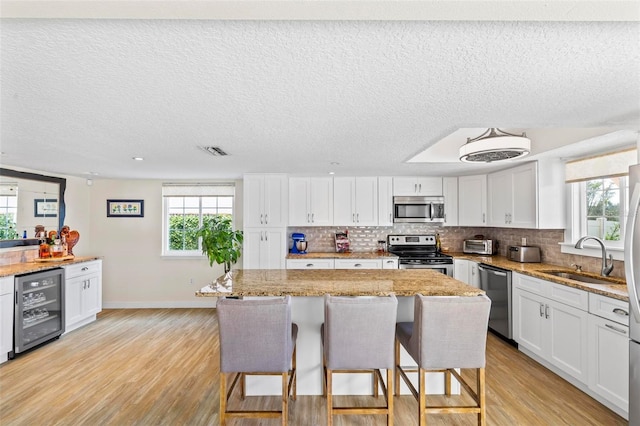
<point>160,367</point>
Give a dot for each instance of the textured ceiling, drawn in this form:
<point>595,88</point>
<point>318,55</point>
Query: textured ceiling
<point>83,95</point>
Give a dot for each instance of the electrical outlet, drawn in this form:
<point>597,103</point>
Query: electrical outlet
<point>524,241</point>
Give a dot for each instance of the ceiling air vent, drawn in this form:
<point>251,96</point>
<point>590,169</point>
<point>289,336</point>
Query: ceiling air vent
<point>214,150</point>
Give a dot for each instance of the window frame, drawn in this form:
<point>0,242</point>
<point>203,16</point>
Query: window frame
<point>188,254</point>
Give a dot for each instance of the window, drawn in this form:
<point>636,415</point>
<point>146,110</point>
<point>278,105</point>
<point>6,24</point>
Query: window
<point>8,211</point>
<point>605,207</point>
<point>186,208</point>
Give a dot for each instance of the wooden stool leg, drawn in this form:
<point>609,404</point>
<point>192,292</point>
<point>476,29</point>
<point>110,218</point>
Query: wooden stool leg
<point>396,382</point>
<point>243,378</point>
<point>376,385</point>
<point>422,403</point>
<point>223,398</point>
<point>285,398</point>
<point>390,397</point>
<point>295,374</point>
<point>447,383</point>
<point>482,416</point>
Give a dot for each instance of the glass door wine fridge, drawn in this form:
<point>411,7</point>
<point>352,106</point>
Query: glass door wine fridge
<point>39,308</point>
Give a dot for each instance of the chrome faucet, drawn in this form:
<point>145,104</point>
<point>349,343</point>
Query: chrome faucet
<point>607,267</point>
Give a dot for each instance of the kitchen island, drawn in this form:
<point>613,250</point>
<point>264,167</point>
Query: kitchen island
<point>307,288</point>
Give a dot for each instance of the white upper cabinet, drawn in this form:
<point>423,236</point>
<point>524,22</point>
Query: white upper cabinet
<point>265,200</point>
<point>422,186</point>
<point>472,200</point>
<point>516,198</point>
<point>355,201</point>
<point>385,201</point>
<point>450,192</point>
<point>311,201</point>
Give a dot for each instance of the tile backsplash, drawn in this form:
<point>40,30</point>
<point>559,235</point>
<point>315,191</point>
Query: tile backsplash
<point>18,255</point>
<point>364,239</point>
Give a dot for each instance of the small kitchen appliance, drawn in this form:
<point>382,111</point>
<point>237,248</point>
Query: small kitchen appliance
<point>299,243</point>
<point>480,246</point>
<point>524,254</point>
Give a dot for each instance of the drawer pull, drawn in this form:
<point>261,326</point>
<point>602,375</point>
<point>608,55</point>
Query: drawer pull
<point>309,265</point>
<point>84,268</point>
<point>619,330</point>
<point>621,312</point>
<point>357,265</point>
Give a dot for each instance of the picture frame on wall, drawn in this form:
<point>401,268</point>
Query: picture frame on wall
<point>45,207</point>
<point>125,208</point>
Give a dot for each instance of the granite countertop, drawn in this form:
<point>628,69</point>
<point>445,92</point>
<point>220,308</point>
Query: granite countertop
<point>349,255</point>
<point>617,289</point>
<point>29,267</point>
<point>338,282</point>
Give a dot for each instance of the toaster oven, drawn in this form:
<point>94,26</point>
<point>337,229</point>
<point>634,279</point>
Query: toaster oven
<point>487,247</point>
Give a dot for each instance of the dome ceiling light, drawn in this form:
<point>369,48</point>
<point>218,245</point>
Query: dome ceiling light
<point>495,145</point>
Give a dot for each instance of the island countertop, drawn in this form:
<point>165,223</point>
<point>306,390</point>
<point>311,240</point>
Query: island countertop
<point>337,282</point>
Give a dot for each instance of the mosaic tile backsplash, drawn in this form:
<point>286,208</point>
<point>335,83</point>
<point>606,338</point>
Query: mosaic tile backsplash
<point>364,239</point>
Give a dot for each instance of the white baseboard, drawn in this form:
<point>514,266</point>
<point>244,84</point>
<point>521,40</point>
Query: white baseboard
<point>208,302</point>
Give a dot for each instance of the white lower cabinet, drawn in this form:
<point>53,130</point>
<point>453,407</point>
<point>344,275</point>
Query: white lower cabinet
<point>466,271</point>
<point>358,264</point>
<point>583,337</point>
<point>83,293</point>
<point>389,263</point>
<point>553,331</point>
<point>609,350</point>
<point>315,263</point>
<point>264,248</point>
<point>6,316</point>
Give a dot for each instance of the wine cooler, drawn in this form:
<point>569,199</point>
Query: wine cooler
<point>39,308</point>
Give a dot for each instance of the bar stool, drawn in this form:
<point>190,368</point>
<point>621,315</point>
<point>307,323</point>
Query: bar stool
<point>446,333</point>
<point>357,337</point>
<point>257,337</point>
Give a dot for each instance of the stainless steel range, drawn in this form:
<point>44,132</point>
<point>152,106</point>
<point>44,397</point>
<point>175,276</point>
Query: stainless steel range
<point>419,252</point>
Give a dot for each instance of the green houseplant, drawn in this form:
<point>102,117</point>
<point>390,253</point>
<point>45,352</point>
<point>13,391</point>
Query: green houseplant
<point>220,242</point>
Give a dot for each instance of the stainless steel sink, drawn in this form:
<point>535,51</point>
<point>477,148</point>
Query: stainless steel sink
<point>579,277</point>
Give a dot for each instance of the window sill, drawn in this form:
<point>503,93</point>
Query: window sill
<point>182,256</point>
<point>592,250</point>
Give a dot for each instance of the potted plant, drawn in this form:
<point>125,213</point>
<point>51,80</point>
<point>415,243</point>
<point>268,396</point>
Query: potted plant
<point>220,242</point>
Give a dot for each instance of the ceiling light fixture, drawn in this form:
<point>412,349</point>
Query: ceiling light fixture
<point>495,145</point>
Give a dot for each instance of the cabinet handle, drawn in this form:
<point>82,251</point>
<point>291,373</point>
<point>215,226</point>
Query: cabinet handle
<point>541,310</point>
<point>353,217</point>
<point>309,265</point>
<point>445,218</point>
<point>357,265</point>
<point>266,219</point>
<point>308,218</point>
<point>358,217</point>
<point>415,187</point>
<point>88,284</point>
<point>84,268</point>
<point>419,187</point>
<point>313,219</point>
<point>619,330</point>
<point>482,217</point>
<point>621,312</point>
<point>546,311</point>
<point>390,217</point>
<point>266,236</point>
<point>261,222</point>
<point>261,236</point>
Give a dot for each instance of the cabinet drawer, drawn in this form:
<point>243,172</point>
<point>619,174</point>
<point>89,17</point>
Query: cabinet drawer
<point>530,284</point>
<point>358,264</point>
<point>83,268</point>
<point>569,296</point>
<point>389,263</point>
<point>608,308</point>
<point>310,263</point>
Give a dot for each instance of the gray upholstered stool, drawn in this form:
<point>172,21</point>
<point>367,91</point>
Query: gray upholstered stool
<point>256,337</point>
<point>357,337</point>
<point>446,333</point>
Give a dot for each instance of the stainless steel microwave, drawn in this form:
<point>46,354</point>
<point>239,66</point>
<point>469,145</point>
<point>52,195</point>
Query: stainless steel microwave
<point>418,209</point>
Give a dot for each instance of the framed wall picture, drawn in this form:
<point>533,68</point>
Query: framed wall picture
<point>45,207</point>
<point>125,208</point>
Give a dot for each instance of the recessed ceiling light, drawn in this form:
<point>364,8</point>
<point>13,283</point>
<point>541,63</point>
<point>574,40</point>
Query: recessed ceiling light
<point>138,158</point>
<point>332,173</point>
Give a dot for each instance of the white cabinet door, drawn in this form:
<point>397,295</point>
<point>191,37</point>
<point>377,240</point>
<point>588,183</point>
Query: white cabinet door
<point>512,197</point>
<point>422,186</point>
<point>474,274</point>
<point>92,295</point>
<point>499,198</point>
<point>344,201</point>
<point>389,263</point>
<point>366,201</point>
<point>6,316</point>
<point>83,293</point>
<point>461,270</point>
<point>472,200</point>
<point>385,201</point>
<point>299,195</point>
<point>358,264</point>
<point>450,193</point>
<point>609,360</point>
<point>73,312</point>
<point>264,248</point>
<point>567,338</point>
<point>265,200</point>
<point>529,321</point>
<point>321,201</point>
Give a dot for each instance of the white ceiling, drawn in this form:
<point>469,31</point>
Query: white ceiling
<point>87,95</point>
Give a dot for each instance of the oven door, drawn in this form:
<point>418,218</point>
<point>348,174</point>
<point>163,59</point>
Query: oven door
<point>446,269</point>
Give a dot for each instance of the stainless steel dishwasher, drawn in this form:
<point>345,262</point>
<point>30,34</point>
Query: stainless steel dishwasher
<point>496,282</point>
